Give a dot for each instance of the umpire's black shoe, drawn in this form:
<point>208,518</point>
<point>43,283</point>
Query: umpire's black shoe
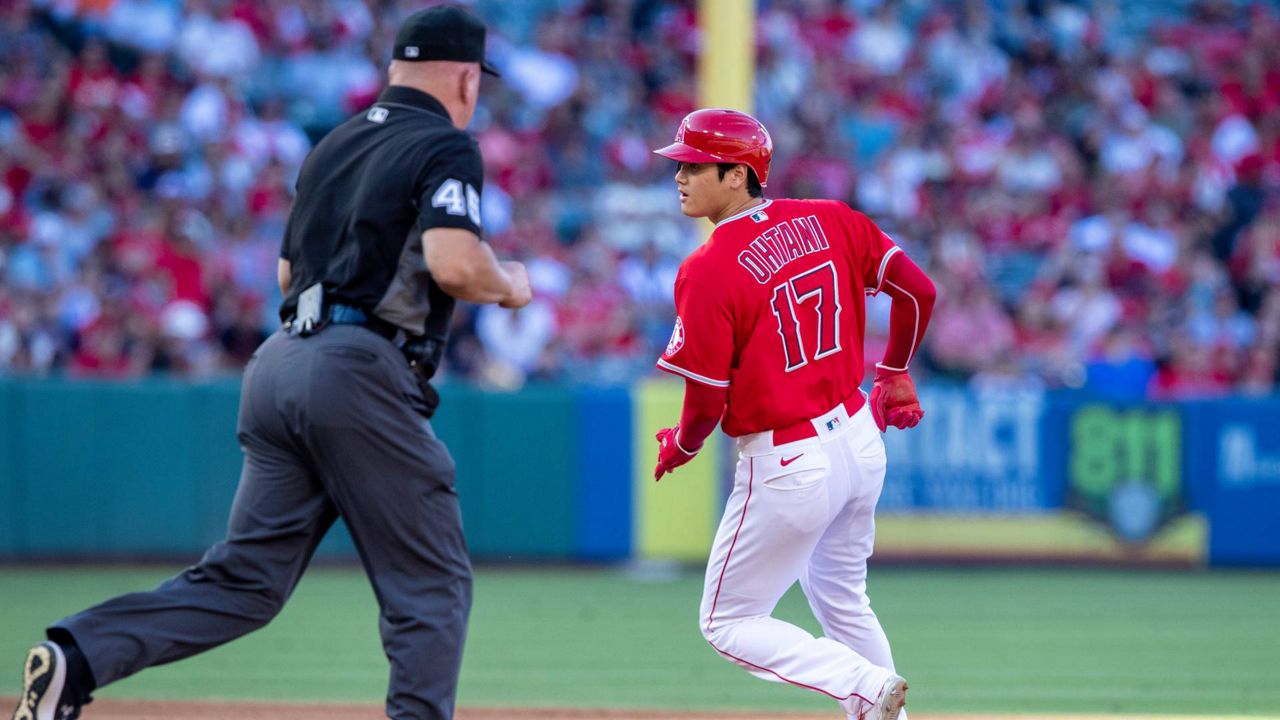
<point>44,677</point>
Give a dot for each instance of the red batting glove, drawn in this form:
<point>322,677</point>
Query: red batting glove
<point>894,401</point>
<point>670,454</point>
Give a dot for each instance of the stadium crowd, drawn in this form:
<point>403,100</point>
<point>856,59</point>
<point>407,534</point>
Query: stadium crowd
<point>1094,186</point>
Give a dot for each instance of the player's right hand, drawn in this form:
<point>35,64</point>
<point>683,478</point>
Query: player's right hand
<point>521,292</point>
<point>670,454</point>
<point>894,401</point>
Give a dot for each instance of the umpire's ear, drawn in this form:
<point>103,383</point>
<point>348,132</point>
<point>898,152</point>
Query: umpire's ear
<point>469,85</point>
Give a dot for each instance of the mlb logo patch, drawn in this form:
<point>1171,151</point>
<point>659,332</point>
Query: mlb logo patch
<point>759,216</point>
<point>377,114</point>
<point>833,423</point>
<point>411,51</point>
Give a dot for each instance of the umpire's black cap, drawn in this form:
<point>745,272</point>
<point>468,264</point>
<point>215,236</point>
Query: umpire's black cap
<point>442,32</point>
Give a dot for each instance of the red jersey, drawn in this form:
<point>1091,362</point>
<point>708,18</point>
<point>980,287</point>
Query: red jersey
<point>773,308</point>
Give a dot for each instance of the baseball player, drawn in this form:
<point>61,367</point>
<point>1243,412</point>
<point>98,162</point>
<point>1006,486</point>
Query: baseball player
<point>768,337</point>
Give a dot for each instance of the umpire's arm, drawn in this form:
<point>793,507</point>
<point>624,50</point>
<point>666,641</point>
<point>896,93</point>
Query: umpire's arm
<point>284,274</point>
<point>464,266</point>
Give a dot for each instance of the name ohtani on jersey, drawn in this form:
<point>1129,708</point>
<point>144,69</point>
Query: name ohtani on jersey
<point>780,244</point>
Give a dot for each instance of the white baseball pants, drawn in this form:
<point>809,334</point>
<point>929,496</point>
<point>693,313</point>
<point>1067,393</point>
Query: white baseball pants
<point>802,511</point>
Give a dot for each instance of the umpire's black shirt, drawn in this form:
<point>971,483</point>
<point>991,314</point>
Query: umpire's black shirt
<point>366,194</point>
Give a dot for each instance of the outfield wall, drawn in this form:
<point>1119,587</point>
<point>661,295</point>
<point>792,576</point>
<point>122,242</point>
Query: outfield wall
<point>565,473</point>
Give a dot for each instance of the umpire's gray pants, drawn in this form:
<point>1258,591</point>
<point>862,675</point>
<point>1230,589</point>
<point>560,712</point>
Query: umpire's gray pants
<point>330,425</point>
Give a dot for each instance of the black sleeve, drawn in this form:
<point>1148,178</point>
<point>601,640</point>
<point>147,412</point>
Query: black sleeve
<point>286,245</point>
<point>450,185</point>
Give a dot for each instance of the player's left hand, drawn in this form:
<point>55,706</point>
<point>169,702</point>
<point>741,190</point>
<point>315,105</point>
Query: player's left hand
<point>670,454</point>
<point>894,401</point>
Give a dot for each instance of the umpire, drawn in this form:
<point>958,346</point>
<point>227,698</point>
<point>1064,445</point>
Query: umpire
<point>384,236</point>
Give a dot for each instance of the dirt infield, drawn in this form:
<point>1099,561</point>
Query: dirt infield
<point>162,710</point>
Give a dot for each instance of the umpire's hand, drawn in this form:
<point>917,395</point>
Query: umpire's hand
<point>521,294</point>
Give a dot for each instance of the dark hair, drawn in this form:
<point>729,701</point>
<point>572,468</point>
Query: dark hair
<point>754,189</point>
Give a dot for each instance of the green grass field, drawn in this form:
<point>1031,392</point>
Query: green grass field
<point>980,641</point>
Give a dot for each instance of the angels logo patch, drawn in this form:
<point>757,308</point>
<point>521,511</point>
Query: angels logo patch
<point>677,338</point>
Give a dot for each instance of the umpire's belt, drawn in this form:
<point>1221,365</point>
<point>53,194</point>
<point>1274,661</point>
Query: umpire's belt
<point>340,314</point>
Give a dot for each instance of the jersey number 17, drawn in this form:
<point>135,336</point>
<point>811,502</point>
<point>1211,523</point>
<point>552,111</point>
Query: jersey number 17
<point>815,288</point>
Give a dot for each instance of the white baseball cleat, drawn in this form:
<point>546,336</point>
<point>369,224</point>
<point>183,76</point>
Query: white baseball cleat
<point>893,697</point>
<point>44,677</point>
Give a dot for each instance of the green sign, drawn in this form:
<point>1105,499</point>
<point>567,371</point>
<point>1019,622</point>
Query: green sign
<point>1126,468</point>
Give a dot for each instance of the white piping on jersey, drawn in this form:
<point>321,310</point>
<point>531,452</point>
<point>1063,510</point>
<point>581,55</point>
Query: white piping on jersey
<point>882,366</point>
<point>744,213</point>
<point>692,375</point>
<point>884,264</point>
<point>915,330</point>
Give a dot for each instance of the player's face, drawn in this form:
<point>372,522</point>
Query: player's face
<point>702,192</point>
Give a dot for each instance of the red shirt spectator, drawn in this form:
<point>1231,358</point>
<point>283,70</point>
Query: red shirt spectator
<point>93,83</point>
<point>102,352</point>
<point>181,263</point>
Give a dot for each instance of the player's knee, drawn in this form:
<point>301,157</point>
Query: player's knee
<point>713,633</point>
<point>704,621</point>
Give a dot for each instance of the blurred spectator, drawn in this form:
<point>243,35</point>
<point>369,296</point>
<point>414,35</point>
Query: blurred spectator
<point>650,279</point>
<point>1121,368</point>
<point>213,42</point>
<point>973,332</point>
<point>880,41</point>
<point>1095,188</point>
<point>1189,372</point>
<point>518,340</point>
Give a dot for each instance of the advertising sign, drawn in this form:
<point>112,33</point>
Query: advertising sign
<point>974,452</point>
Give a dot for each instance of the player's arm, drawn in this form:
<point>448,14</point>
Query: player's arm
<point>703,408</point>
<point>893,397</point>
<point>913,296</point>
<point>700,351</point>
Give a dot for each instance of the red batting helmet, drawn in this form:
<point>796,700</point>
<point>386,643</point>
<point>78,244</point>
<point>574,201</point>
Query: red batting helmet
<point>717,135</point>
